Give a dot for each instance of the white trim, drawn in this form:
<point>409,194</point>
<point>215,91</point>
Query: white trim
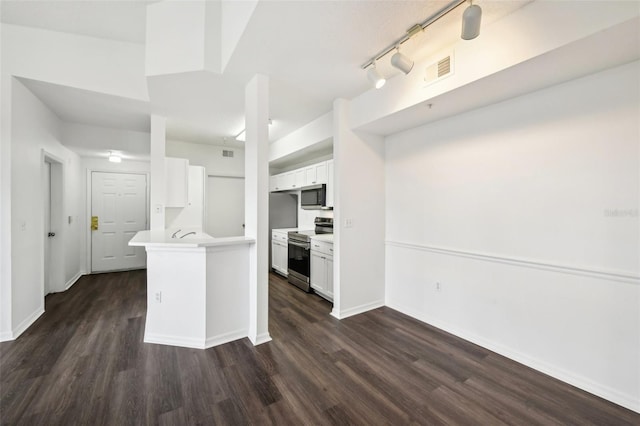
<point>185,342</point>
<point>221,339</point>
<point>260,339</point>
<point>357,309</point>
<point>627,401</point>
<point>26,323</point>
<point>611,275</point>
<point>6,336</point>
<point>73,280</point>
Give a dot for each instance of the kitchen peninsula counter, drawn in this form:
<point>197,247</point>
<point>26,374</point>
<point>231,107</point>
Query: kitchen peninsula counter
<point>197,288</point>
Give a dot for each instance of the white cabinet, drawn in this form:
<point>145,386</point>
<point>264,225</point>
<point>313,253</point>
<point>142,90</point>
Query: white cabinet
<point>283,182</point>
<point>298,178</point>
<point>177,181</point>
<point>321,278</point>
<point>315,174</point>
<point>329,193</point>
<point>279,252</point>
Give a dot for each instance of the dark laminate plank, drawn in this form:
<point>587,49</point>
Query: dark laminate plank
<point>84,362</point>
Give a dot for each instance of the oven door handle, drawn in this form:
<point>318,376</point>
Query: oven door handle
<point>305,246</point>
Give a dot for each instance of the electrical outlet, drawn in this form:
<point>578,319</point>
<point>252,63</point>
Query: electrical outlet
<point>438,286</point>
<point>348,223</point>
<point>159,297</point>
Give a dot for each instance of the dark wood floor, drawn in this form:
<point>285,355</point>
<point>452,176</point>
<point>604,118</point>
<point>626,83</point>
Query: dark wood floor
<point>84,362</point>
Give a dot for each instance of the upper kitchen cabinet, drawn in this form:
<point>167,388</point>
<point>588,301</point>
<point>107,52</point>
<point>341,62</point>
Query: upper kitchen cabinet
<point>299,178</point>
<point>177,181</point>
<point>315,174</point>
<point>282,182</point>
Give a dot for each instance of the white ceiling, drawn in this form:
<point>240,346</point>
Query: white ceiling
<point>311,50</point>
<point>110,19</point>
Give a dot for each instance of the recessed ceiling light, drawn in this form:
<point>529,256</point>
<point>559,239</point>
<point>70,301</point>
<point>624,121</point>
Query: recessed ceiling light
<point>114,158</point>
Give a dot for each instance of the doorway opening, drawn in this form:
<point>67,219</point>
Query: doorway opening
<point>52,225</point>
<point>224,206</point>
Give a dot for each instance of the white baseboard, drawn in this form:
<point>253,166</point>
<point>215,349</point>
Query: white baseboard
<point>184,342</point>
<point>194,342</point>
<point>357,309</point>
<point>26,323</point>
<point>6,336</point>
<point>627,401</point>
<point>73,280</point>
<point>221,339</point>
<point>260,339</point>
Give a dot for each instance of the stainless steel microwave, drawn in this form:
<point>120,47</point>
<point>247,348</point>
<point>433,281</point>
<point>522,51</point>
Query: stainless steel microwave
<point>314,197</point>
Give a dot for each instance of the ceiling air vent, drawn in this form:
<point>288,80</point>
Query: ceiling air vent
<point>439,70</point>
<point>227,153</point>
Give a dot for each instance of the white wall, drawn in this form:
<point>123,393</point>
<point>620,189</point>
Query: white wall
<point>208,156</point>
<point>95,64</point>
<point>359,198</point>
<point>235,16</point>
<point>305,137</point>
<point>511,208</point>
<point>36,128</point>
<point>175,37</point>
<point>82,137</point>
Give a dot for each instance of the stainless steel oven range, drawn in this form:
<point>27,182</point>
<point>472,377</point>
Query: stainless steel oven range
<point>299,247</point>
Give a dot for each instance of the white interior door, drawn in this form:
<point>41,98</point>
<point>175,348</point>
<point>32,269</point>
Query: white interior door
<point>225,206</point>
<point>119,200</point>
<point>47,227</point>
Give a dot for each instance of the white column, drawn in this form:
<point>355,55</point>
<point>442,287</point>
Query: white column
<point>359,216</point>
<point>257,204</point>
<point>158,143</point>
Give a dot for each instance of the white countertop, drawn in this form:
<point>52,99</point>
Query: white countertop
<point>163,239</point>
<point>323,237</point>
<point>284,229</point>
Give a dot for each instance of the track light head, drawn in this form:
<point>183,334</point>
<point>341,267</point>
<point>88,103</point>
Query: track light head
<point>375,77</point>
<point>402,62</point>
<point>471,22</point>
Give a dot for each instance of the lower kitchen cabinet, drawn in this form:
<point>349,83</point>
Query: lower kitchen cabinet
<point>279,257</point>
<point>322,274</point>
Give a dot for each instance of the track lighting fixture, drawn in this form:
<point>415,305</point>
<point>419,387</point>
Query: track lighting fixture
<point>375,77</point>
<point>471,22</point>
<point>402,62</point>
<point>114,158</point>
<point>470,29</point>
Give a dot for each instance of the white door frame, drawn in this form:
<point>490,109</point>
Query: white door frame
<point>56,267</point>
<point>87,215</point>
